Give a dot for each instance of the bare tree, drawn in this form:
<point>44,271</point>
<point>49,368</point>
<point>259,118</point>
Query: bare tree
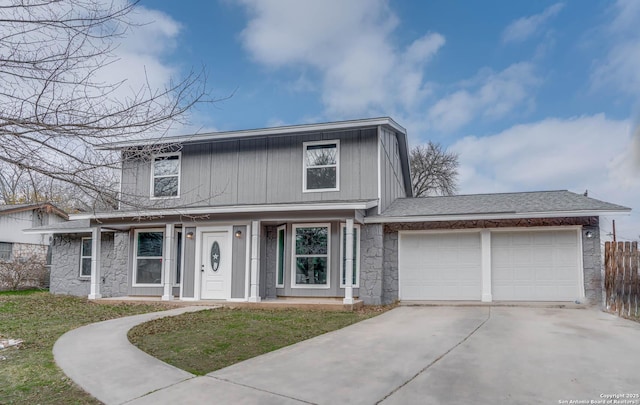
<point>54,107</point>
<point>434,170</point>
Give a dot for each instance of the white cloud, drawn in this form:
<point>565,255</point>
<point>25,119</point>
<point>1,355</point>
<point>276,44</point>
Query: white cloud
<point>621,67</point>
<point>491,96</point>
<point>583,153</point>
<point>142,51</point>
<point>349,45</point>
<point>524,28</point>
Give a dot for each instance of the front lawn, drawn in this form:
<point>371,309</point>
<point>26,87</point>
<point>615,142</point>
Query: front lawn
<point>28,374</point>
<point>209,340</point>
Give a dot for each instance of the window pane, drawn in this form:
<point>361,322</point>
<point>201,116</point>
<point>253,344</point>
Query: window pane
<point>311,241</point>
<point>86,247</point>
<point>311,270</point>
<point>149,271</point>
<point>166,166</point>
<point>150,244</point>
<point>86,267</point>
<point>320,155</point>
<point>280,257</point>
<point>319,178</point>
<point>165,187</point>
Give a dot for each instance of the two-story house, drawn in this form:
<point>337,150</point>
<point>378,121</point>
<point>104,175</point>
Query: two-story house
<point>319,210</point>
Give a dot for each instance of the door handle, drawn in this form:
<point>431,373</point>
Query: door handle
<point>202,268</point>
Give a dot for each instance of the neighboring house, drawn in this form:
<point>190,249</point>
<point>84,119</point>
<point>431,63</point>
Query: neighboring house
<point>16,245</point>
<point>320,210</point>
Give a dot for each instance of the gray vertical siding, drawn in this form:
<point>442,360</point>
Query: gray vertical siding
<point>188,271</point>
<point>261,171</point>
<point>391,178</point>
<point>239,263</point>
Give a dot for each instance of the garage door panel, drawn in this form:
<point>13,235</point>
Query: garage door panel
<point>545,270</point>
<point>440,266</point>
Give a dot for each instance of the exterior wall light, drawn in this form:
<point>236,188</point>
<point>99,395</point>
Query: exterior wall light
<point>189,235</point>
<point>589,234</point>
<point>238,234</point>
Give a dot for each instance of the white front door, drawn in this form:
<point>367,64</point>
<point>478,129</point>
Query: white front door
<point>215,265</point>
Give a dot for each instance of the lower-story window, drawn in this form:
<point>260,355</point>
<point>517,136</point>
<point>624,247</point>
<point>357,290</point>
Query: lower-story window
<point>311,255</point>
<point>5,251</point>
<point>85,258</point>
<point>148,257</point>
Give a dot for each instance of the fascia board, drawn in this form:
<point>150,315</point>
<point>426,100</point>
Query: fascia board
<point>259,133</point>
<point>472,217</point>
<point>230,209</point>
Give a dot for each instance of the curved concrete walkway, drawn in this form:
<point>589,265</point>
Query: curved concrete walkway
<point>408,355</point>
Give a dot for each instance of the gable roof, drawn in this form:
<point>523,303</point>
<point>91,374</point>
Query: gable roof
<point>47,207</point>
<point>559,203</point>
<point>287,130</point>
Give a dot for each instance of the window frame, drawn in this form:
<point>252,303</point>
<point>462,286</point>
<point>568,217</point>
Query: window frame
<point>153,176</point>
<point>10,245</point>
<point>356,259</point>
<point>305,146</point>
<point>294,256</point>
<point>280,258</point>
<point>134,276</point>
<point>83,256</point>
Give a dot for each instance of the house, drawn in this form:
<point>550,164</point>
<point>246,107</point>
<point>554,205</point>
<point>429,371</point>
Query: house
<point>14,244</point>
<point>320,210</point>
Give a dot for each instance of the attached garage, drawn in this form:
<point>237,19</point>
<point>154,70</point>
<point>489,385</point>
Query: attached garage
<point>536,265</point>
<point>440,266</point>
<point>522,265</point>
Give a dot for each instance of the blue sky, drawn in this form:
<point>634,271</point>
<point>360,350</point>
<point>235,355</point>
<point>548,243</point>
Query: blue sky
<point>533,95</point>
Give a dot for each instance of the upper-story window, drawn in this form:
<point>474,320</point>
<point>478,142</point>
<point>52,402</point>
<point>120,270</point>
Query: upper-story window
<point>321,166</point>
<point>165,175</point>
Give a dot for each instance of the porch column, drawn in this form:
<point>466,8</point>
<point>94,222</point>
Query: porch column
<point>254,290</point>
<point>348,264</point>
<point>95,264</point>
<point>485,245</point>
<point>167,263</point>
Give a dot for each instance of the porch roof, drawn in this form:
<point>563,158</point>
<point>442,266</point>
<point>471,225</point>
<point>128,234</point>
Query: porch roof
<point>230,209</point>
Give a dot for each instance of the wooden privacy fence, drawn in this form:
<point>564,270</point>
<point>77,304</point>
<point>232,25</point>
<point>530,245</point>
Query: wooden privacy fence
<point>621,279</point>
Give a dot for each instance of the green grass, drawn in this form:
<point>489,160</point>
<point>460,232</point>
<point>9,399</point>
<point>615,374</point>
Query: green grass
<point>209,340</point>
<point>29,375</point>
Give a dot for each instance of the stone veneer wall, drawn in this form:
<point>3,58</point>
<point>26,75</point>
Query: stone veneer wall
<point>65,265</point>
<point>371,264</point>
<point>390,266</point>
<point>115,262</point>
<point>592,265</point>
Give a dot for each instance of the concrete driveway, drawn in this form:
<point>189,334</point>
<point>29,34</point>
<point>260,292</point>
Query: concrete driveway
<point>439,355</point>
<point>410,355</point>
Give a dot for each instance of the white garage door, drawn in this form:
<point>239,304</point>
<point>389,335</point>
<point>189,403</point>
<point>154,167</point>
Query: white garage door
<point>535,266</point>
<point>439,266</point>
